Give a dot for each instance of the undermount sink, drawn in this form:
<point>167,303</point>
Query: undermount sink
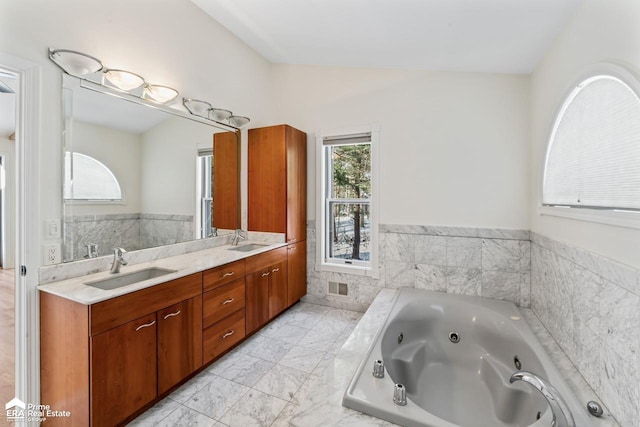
<point>248,247</point>
<point>119,280</point>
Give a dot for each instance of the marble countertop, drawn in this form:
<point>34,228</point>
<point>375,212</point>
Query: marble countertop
<point>322,404</point>
<point>194,262</point>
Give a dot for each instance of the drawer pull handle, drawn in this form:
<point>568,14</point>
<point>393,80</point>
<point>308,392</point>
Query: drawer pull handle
<point>292,240</point>
<point>171,315</point>
<point>228,334</point>
<point>266,274</point>
<point>292,248</point>
<point>229,301</point>
<point>146,325</point>
<point>275,270</point>
<point>227,274</point>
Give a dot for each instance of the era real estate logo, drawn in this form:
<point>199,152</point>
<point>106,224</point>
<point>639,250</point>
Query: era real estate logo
<point>17,410</point>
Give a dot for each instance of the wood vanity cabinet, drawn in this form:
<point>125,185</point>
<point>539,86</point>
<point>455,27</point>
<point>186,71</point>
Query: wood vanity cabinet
<point>266,287</point>
<point>277,196</point>
<point>179,342</point>
<point>106,361</point>
<point>223,309</point>
<point>226,180</point>
<point>277,183</point>
<point>297,272</point>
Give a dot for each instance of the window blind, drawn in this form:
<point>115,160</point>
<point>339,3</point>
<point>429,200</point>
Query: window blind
<point>594,154</point>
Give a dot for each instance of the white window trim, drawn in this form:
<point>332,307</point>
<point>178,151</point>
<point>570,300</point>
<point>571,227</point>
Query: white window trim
<point>321,265</point>
<point>614,217</point>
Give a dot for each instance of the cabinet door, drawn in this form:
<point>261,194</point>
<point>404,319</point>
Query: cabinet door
<point>267,191</point>
<point>296,145</point>
<point>179,342</point>
<point>257,299</point>
<point>123,371</point>
<point>297,272</point>
<point>226,180</point>
<point>277,289</point>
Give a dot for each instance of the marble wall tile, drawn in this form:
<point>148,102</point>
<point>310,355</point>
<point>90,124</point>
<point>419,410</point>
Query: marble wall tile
<point>501,255</point>
<point>418,256</point>
<point>431,277</point>
<point>398,247</point>
<point>399,274</point>
<point>431,250</point>
<point>585,302</point>
<point>464,252</point>
<point>502,285</point>
<point>465,281</point>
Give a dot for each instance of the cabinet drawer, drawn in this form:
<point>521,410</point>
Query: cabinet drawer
<point>223,335</point>
<point>222,301</point>
<point>117,311</point>
<point>266,259</point>
<point>222,275</point>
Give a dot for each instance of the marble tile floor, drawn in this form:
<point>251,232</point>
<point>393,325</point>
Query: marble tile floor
<point>263,381</point>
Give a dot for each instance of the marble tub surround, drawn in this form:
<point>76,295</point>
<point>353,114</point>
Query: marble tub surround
<point>591,307</point>
<point>323,397</point>
<point>493,263</point>
<point>184,265</point>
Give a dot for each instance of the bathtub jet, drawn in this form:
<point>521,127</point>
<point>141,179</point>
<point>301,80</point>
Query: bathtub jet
<point>454,382</point>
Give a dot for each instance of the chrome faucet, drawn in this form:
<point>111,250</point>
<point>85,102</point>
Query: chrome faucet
<point>118,260</point>
<point>92,250</point>
<point>562,416</point>
<point>240,235</point>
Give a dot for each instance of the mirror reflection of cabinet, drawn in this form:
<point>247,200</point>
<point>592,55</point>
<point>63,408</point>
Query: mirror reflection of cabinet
<point>226,188</point>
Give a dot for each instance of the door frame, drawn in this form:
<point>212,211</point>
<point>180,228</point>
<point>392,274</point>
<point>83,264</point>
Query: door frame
<point>27,225</point>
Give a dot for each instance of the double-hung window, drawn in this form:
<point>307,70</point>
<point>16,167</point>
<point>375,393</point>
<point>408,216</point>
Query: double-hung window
<point>346,226</point>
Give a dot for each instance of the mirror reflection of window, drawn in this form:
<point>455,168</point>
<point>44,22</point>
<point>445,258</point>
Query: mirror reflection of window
<point>204,196</point>
<point>88,179</point>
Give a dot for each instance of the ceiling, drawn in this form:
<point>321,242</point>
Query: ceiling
<point>498,36</point>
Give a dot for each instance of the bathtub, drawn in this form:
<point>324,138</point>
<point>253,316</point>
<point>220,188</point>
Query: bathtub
<point>454,356</point>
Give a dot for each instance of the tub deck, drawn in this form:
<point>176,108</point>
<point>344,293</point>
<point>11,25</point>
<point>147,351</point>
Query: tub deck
<point>322,405</point>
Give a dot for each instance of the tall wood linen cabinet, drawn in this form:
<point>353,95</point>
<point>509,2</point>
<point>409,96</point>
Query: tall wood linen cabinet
<point>277,195</point>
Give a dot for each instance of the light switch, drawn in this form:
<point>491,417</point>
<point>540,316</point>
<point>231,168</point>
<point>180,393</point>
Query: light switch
<point>52,229</point>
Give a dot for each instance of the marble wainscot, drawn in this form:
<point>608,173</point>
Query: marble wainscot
<point>591,307</point>
<point>493,263</point>
<point>67,280</point>
<point>321,397</point>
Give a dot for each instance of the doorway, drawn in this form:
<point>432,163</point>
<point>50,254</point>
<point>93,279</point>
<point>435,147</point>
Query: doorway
<point>8,122</point>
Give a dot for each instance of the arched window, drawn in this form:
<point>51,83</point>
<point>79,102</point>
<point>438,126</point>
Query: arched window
<point>593,158</point>
<point>87,179</point>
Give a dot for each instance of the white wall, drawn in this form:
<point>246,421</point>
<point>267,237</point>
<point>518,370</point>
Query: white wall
<point>121,153</point>
<point>169,153</point>
<point>454,145</point>
<point>600,31</point>
<point>169,42</point>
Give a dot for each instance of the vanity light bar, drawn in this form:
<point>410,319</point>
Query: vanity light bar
<point>83,66</point>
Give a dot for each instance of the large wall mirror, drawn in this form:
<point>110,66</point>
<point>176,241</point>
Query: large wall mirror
<point>137,175</point>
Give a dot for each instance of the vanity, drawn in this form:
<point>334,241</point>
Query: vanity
<point>107,355</point>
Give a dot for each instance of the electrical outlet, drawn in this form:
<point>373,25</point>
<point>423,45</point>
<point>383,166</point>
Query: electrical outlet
<point>52,254</point>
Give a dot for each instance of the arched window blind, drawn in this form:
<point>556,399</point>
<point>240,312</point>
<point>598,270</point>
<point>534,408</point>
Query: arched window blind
<point>593,159</point>
<point>88,179</point>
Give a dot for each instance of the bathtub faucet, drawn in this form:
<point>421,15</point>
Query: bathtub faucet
<point>562,416</point>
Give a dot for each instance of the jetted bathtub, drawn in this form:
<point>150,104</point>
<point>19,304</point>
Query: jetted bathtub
<point>454,356</point>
